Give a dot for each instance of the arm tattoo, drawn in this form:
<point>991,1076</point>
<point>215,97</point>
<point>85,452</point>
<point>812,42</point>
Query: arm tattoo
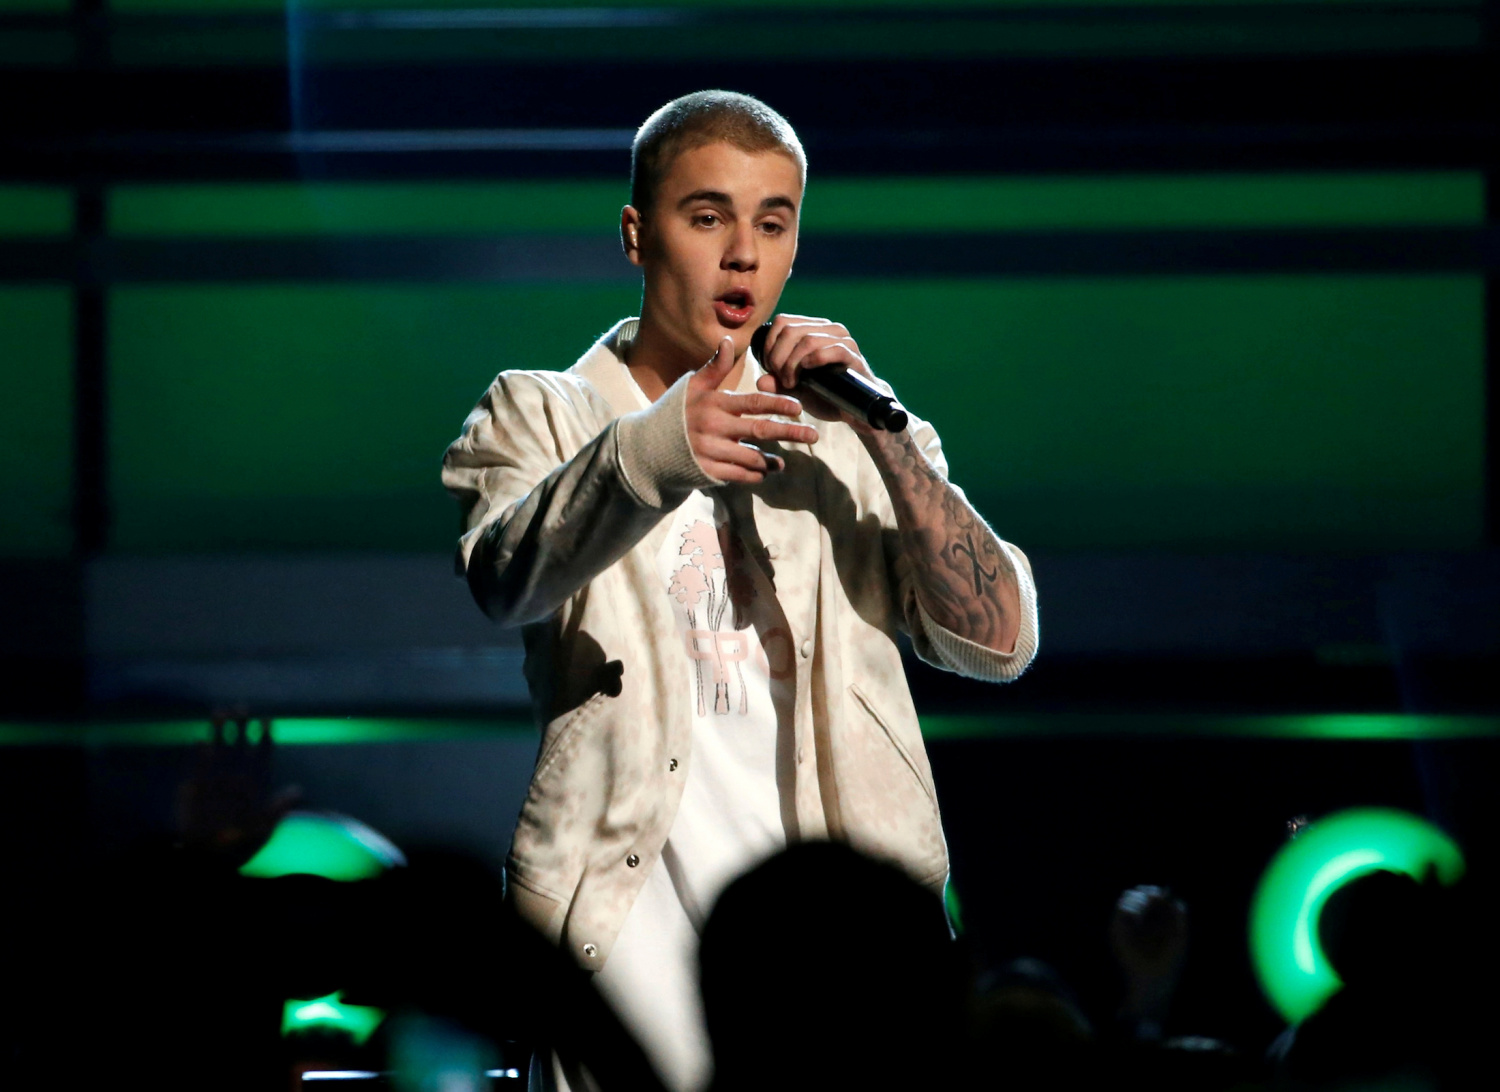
<point>968,548</point>
<point>964,580</point>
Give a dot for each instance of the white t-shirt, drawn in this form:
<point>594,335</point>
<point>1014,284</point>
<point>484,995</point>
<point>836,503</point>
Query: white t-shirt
<point>738,666</point>
<point>740,671</point>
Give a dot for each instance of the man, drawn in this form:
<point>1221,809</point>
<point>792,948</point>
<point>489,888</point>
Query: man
<point>711,584</point>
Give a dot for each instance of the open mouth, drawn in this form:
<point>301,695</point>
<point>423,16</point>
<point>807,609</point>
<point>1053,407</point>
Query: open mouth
<point>734,307</point>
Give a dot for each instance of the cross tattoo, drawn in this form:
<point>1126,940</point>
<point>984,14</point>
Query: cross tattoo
<point>978,568</point>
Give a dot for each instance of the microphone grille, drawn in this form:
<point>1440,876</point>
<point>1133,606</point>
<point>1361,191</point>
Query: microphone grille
<point>758,342</point>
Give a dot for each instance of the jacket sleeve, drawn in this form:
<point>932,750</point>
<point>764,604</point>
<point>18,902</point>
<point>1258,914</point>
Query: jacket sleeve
<point>932,642</point>
<point>542,520</point>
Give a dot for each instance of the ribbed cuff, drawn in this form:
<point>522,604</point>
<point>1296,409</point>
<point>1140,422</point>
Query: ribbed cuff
<point>655,457</point>
<point>975,660</point>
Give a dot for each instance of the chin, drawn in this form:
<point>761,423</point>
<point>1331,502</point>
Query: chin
<point>712,336</point>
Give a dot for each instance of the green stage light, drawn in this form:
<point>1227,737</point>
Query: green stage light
<point>1294,974</point>
<point>335,847</point>
<point>360,1021</point>
<point>953,907</point>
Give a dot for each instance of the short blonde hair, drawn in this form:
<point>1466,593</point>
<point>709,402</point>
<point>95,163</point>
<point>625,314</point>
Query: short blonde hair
<point>706,117</point>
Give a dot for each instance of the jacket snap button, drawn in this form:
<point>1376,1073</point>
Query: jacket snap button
<point>671,765</point>
<point>591,950</point>
<point>806,649</point>
<point>632,860</point>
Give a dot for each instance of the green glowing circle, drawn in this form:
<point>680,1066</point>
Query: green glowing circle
<point>335,847</point>
<point>1294,974</point>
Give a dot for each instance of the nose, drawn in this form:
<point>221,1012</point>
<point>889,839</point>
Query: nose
<point>740,251</point>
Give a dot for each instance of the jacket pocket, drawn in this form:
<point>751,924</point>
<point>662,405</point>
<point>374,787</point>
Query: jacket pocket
<point>895,741</point>
<point>565,733</point>
<point>537,906</point>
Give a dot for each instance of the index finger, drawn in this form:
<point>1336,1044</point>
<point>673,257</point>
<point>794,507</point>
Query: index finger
<point>713,373</point>
<point>761,402</point>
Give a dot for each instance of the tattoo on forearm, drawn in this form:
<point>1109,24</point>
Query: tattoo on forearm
<point>965,581</point>
<point>967,547</point>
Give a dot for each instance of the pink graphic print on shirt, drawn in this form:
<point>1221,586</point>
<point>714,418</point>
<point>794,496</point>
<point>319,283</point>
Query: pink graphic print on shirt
<point>706,586</point>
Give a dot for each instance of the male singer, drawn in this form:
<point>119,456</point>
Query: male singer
<point>711,564</point>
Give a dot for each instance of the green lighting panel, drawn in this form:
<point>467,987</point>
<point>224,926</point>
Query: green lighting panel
<point>1281,412</point>
<point>1144,201</point>
<point>1296,412</point>
<point>36,415</point>
<point>302,417</point>
<point>368,208</point>
<point>338,731</point>
<point>1319,726</point>
<point>35,210</point>
<point>1449,198</point>
<point>287,732</point>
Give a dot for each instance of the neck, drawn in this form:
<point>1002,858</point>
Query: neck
<point>656,362</point>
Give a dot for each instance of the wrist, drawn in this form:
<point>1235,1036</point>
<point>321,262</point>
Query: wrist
<point>888,449</point>
<point>879,440</point>
<point>655,454</point>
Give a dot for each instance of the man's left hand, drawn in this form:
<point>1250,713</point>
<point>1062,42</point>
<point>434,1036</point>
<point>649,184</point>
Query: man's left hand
<point>797,343</point>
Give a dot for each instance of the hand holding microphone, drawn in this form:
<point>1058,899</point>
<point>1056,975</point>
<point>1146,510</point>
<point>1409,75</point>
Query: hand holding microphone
<point>818,354</point>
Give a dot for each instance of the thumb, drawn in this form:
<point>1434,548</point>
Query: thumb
<point>713,373</point>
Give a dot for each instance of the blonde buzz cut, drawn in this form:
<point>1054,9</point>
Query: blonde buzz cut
<point>706,117</point>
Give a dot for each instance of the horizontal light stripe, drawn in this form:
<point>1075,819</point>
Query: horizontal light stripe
<point>1448,198</point>
<point>296,731</point>
<point>642,35</point>
<point>613,5</point>
<point>35,210</point>
<point>340,1075</point>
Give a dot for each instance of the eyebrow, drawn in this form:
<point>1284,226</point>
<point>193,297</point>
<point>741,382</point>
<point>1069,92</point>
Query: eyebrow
<point>718,197</point>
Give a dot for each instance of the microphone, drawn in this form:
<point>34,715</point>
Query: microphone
<point>849,391</point>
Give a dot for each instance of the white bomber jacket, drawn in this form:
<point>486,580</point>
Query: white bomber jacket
<point>566,490</point>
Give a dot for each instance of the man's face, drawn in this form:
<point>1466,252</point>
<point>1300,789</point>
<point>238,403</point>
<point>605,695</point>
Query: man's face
<point>717,245</point>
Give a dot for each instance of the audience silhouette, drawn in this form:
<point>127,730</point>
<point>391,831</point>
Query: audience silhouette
<point>824,969</point>
<point>1400,1017</point>
<point>820,969</point>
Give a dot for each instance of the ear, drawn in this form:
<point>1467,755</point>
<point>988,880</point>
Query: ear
<point>632,228</point>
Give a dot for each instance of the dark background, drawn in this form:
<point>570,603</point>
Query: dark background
<point>1199,295</point>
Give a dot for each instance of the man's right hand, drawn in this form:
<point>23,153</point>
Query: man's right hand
<point>720,431</point>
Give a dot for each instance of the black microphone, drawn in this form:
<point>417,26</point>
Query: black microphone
<point>849,391</point>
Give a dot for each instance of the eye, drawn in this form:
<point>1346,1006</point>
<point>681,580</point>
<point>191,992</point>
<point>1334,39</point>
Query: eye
<point>773,227</point>
<point>706,219</point>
